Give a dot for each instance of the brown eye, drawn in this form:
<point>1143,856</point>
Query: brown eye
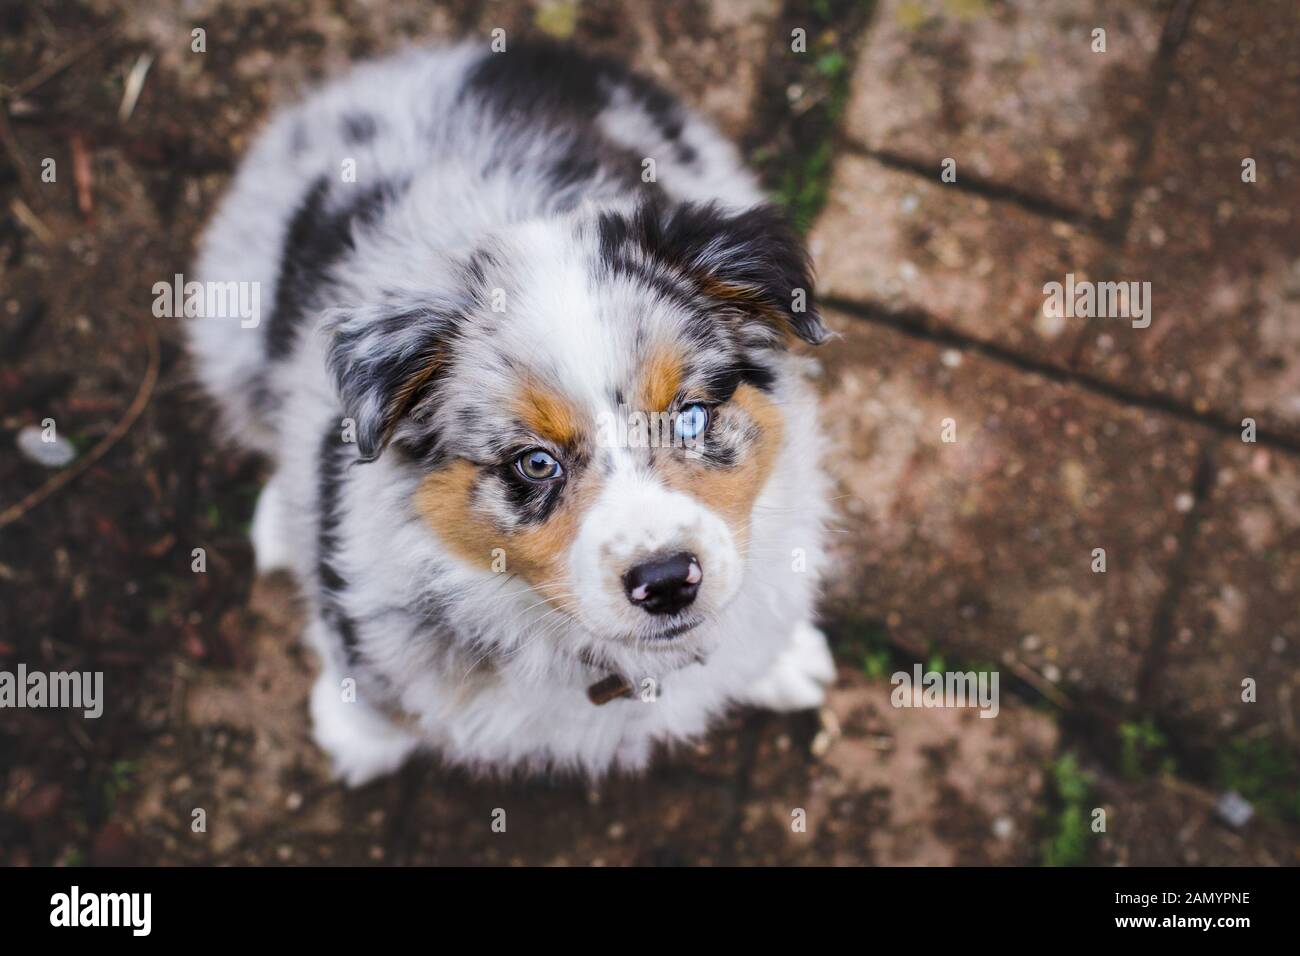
<point>537,465</point>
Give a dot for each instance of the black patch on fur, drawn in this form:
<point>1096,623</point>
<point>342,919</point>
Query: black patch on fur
<point>334,457</point>
<point>716,455</point>
<point>562,88</point>
<point>614,231</point>
<point>760,376</point>
<point>722,447</point>
<point>661,106</point>
<point>755,250</point>
<point>476,269</point>
<point>532,501</point>
<point>535,501</point>
<point>722,385</point>
<point>532,80</point>
<point>264,399</point>
<point>317,238</point>
<point>475,272</point>
<point>423,448</point>
<point>359,127</point>
<point>572,169</point>
<point>672,288</point>
<point>369,379</point>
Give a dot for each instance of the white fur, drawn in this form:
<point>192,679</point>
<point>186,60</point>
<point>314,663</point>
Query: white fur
<point>272,549</point>
<point>362,743</point>
<point>798,678</point>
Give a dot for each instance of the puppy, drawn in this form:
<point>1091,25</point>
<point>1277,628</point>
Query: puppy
<point>544,462</point>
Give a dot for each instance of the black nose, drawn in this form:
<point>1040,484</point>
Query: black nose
<point>664,585</point>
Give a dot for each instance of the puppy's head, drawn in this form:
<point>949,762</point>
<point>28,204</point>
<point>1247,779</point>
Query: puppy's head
<point>594,405</point>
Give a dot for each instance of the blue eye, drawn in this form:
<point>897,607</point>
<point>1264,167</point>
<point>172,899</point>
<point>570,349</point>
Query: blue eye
<point>691,422</point>
<point>537,465</point>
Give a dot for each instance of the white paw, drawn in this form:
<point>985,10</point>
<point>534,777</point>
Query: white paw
<point>798,679</point>
<point>362,744</point>
<point>270,549</point>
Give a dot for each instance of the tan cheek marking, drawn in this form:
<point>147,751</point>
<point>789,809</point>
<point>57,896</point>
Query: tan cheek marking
<point>662,380</point>
<point>444,500</point>
<point>732,491</point>
<point>547,414</point>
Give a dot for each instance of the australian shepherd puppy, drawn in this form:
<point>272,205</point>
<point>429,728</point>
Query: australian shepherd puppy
<point>544,461</point>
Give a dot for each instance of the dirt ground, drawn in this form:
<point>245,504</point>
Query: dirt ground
<point>1122,690</point>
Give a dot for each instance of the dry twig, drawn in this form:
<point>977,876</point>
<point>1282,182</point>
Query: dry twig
<point>133,412</point>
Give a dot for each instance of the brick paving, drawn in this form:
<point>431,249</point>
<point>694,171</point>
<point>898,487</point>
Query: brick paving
<point>1071,434</point>
<point>1079,433</point>
<point>1013,92</point>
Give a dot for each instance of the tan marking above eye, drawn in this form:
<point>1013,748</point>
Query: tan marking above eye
<point>547,414</point>
<point>731,492</point>
<point>662,379</point>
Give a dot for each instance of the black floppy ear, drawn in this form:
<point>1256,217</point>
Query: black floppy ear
<point>753,260</point>
<point>383,361</point>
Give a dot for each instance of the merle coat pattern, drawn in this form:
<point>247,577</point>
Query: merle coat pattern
<point>470,272</point>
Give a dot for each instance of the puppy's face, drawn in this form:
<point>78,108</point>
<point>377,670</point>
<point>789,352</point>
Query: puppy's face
<point>593,407</point>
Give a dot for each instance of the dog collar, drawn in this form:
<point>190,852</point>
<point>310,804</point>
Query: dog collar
<point>609,688</point>
<point>615,685</point>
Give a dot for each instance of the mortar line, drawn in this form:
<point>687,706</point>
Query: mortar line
<point>922,327</point>
<point>1162,74</point>
<point>395,840</point>
<point>1112,228</point>
<point>742,787</point>
<point>1150,669</point>
<point>972,185</point>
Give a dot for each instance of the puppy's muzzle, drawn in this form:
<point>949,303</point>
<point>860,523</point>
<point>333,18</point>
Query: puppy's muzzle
<point>664,584</point>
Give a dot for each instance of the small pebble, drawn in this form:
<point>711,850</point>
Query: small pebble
<point>49,454</point>
<point>1234,809</point>
<point>821,743</point>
